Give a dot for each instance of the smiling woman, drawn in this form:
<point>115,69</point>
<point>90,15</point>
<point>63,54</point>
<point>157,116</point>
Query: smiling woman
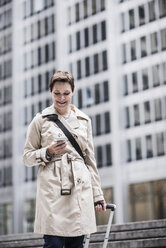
<point>68,183</point>
<point>61,96</point>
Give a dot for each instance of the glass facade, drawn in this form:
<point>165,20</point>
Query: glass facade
<point>6,219</point>
<point>148,200</point>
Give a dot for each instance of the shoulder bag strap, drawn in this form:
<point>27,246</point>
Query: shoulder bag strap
<point>54,117</point>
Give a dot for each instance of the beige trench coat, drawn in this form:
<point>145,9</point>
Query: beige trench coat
<point>56,214</point>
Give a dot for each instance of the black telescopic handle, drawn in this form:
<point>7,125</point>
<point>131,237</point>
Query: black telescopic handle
<point>111,206</point>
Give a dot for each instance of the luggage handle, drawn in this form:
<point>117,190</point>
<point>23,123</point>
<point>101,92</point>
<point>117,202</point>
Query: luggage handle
<point>112,207</point>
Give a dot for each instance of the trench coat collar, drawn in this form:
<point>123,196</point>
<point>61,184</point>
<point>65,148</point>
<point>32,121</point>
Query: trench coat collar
<point>73,121</point>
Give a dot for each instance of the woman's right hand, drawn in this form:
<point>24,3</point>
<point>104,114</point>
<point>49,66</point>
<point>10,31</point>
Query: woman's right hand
<point>57,148</point>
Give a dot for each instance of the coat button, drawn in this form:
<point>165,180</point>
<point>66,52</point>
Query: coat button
<point>78,180</point>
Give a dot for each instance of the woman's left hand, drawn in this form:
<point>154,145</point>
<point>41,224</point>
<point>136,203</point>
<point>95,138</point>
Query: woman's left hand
<point>100,205</point>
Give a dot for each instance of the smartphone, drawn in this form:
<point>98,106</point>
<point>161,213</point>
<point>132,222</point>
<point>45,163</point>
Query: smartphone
<point>61,139</point>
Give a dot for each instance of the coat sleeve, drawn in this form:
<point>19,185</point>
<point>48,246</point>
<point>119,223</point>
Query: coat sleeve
<point>34,154</point>
<point>91,163</point>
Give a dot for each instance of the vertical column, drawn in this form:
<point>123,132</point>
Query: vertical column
<point>120,172</point>
<point>17,89</point>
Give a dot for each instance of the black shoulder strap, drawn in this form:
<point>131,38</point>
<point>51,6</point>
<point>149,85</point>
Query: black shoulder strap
<point>54,117</point>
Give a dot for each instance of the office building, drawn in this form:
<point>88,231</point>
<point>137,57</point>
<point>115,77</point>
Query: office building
<point>116,51</point>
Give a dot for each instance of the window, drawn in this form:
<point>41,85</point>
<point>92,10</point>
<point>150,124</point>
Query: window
<point>6,219</point>
<point>136,115</point>
<point>97,94</point>
<point>51,51</point>
<point>129,157</point>
<point>158,109</point>
<point>143,46</point>
<point>154,42</point>
<point>104,60</point>
<point>124,57</point>
<point>69,15</point>
<point>99,156</point>
<point>103,30</point>
<point>106,91</point>
<point>89,99</point>
<point>38,29</point>
<point>164,72</point>
<point>32,86</point>
<point>125,82</point>
<point>85,8</point>
<point>147,201</point>
<point>39,106</point>
<point>162,8</point>
<point>160,144</point>
<point>151,8</point>
<point>79,69</point>
<point>131,19</point>
<point>8,121</point>
<point>70,43</point>
<point>87,67</point>
<point>25,88</point>
<point>96,63</point>
<point>107,122</point>
<point>77,12</point>
<point>33,113</point>
<point>156,75</point>
<point>147,117</point>
<point>25,115</point>
<point>141,12</point>
<point>94,7</point>
<point>138,149</point>
<point>94,28</point>
<point>51,26</point>
<point>122,22</point>
<point>133,49</point>
<point>42,28</point>
<point>145,80</point>
<point>98,124</point>
<point>39,55</point>
<point>102,4</point>
<point>39,84</point>
<point>127,114</point>
<point>80,98</point>
<point>149,148</point>
<point>1,123</point>
<point>86,37</point>
<point>134,82</point>
<point>7,175</point>
<point>108,155</point>
<point>163,39</point>
<point>78,40</point>
<point>35,31</point>
<point>44,54</point>
<point>8,94</point>
<point>29,215</point>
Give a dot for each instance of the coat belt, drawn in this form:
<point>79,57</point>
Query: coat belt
<point>67,167</point>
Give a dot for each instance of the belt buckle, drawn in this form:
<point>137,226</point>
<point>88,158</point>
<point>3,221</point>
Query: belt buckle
<point>65,191</point>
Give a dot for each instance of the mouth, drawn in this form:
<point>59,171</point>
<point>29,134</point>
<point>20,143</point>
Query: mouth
<point>61,103</point>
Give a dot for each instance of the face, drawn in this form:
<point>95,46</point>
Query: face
<point>61,96</point>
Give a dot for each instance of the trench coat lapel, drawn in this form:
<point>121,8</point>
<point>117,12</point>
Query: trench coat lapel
<point>73,123</point>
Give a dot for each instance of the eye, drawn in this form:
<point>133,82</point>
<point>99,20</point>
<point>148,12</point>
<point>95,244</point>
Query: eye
<point>56,93</point>
<point>67,93</point>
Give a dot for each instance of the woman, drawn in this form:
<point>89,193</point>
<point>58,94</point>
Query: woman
<point>68,185</point>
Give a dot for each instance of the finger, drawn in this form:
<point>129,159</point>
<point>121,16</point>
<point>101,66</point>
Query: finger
<point>60,143</point>
<point>60,148</point>
<point>98,207</point>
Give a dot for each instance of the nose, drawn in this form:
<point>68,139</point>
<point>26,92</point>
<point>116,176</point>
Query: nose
<point>62,97</point>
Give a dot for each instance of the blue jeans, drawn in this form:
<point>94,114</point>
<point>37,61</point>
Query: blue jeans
<point>60,242</point>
